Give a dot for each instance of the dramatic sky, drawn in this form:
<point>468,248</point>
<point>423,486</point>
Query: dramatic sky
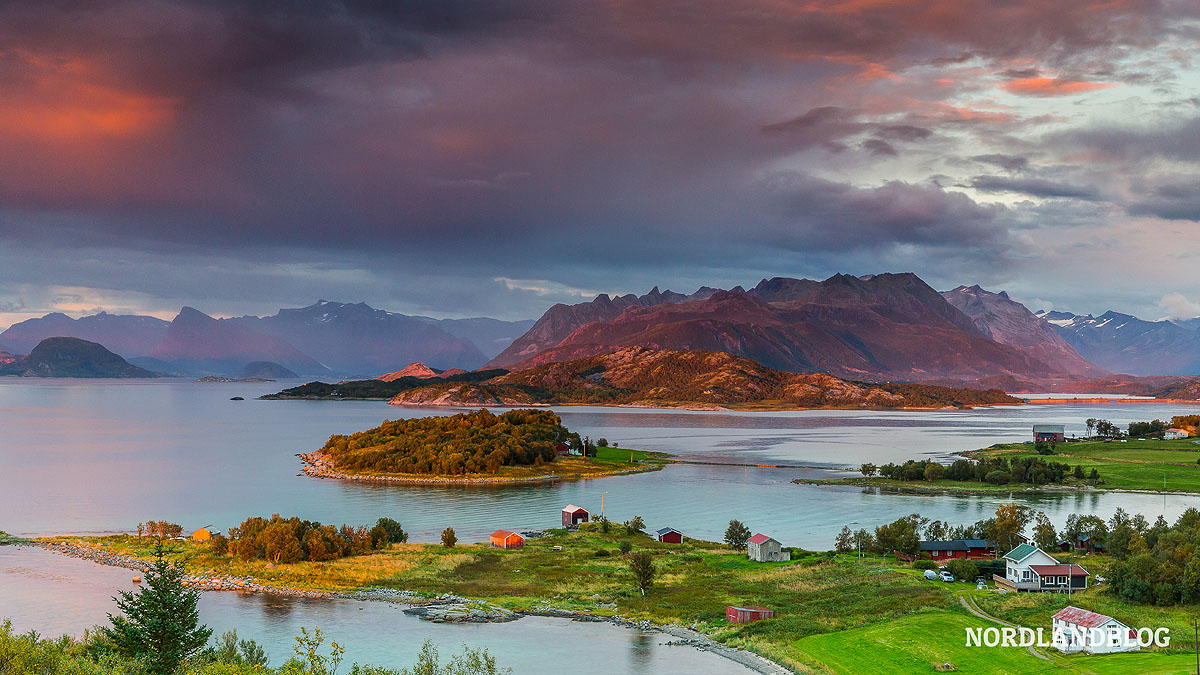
<point>474,157</point>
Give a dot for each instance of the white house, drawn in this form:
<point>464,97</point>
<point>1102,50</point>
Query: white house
<point>762,548</point>
<point>1078,630</point>
<point>1174,434</point>
<point>1029,568</point>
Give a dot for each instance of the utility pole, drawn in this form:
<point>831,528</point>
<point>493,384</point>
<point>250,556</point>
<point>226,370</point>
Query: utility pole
<point>602,502</point>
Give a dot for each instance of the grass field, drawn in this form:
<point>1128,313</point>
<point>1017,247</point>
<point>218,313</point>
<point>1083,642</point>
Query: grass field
<point>833,613</point>
<point>1133,465</point>
<point>607,462</point>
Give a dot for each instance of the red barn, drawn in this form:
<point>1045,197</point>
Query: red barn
<point>573,515</point>
<point>561,449</point>
<point>506,539</point>
<point>670,535</point>
<point>736,614</point>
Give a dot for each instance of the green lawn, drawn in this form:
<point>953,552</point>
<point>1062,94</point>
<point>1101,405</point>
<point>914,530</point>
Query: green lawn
<point>1133,465</point>
<point>921,642</point>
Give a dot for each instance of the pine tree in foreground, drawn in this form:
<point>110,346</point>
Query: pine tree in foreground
<point>161,624</point>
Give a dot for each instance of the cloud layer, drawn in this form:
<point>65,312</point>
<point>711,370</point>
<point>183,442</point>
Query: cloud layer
<point>425,156</point>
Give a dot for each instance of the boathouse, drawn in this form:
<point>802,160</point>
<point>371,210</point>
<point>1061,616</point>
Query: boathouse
<point>573,515</point>
<point>506,539</point>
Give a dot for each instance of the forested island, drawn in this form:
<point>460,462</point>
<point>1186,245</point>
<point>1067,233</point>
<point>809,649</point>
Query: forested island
<point>473,446</point>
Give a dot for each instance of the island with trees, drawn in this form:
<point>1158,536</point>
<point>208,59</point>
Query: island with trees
<point>518,446</point>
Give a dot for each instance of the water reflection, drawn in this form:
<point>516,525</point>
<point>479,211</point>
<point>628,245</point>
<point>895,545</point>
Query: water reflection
<point>74,595</point>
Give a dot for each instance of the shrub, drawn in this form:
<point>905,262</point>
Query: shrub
<point>634,525</point>
<point>924,565</point>
<point>963,569</point>
<point>219,544</point>
<point>395,533</point>
<point>626,546</point>
<point>449,539</point>
<point>603,553</point>
<point>997,477</point>
<point>642,566</point>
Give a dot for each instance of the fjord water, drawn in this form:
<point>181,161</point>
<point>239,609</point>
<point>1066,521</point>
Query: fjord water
<point>100,456</point>
<point>54,594</point>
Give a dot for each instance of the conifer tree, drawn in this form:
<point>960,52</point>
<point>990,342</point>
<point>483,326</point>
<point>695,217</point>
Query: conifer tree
<point>161,623</point>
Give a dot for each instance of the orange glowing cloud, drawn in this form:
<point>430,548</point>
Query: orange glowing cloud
<point>70,100</point>
<point>1052,86</point>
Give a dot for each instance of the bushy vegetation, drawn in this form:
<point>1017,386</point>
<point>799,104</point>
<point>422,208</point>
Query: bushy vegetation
<point>288,540</point>
<point>95,654</point>
<point>1155,564</point>
<point>159,528</point>
<point>995,470</point>
<point>1151,428</point>
<point>467,443</point>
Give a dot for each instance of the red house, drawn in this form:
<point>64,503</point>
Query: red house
<point>736,614</point>
<point>970,549</point>
<point>561,449</point>
<point>506,539</point>
<point>670,535</point>
<point>573,515</point>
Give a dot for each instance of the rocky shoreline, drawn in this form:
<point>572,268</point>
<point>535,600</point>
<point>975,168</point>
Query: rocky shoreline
<point>445,608</point>
<point>317,465</point>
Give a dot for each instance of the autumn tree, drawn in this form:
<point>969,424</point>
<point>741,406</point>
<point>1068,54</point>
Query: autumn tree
<point>449,539</point>
<point>1011,520</point>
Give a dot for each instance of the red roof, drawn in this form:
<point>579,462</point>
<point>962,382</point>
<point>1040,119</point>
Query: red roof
<point>1058,570</point>
<point>571,508</point>
<point>759,538</point>
<point>503,534</point>
<point>1082,617</point>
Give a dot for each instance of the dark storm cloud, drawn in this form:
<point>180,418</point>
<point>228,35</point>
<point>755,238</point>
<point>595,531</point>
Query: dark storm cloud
<point>1172,198</point>
<point>1010,163</point>
<point>1034,187</point>
<point>879,147</point>
<point>516,139</point>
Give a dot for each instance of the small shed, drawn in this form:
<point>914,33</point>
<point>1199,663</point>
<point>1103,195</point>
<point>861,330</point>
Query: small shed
<point>762,548</point>
<point>205,533</point>
<point>738,614</point>
<point>670,535</point>
<point>561,449</point>
<point>1052,433</point>
<point>573,515</point>
<point>506,539</point>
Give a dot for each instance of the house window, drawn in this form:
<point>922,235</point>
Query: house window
<point>1026,575</point>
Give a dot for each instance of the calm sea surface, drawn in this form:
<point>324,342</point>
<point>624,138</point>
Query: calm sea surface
<point>100,456</point>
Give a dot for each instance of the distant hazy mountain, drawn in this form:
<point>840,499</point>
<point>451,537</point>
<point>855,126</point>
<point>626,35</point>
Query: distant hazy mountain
<point>198,344</point>
<point>491,336</point>
<point>1121,343</point>
<point>265,370</point>
<point>877,327</point>
<point>1011,323</point>
<point>320,340</point>
<point>129,335</point>
<point>72,357</point>
<point>357,339</point>
<point>561,320</point>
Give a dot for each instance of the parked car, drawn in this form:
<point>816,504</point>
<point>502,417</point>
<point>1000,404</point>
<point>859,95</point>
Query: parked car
<point>946,576</point>
<point>931,575</point>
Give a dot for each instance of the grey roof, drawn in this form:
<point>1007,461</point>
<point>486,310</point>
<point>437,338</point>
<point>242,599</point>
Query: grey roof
<point>956,545</point>
<point>666,530</point>
<point>953,545</point>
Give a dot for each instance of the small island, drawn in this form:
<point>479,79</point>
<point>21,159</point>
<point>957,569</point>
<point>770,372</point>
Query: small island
<point>519,446</point>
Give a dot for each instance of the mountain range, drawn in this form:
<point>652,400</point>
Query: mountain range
<point>1126,344</point>
<point>325,339</point>
<point>872,328</point>
<point>640,376</point>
